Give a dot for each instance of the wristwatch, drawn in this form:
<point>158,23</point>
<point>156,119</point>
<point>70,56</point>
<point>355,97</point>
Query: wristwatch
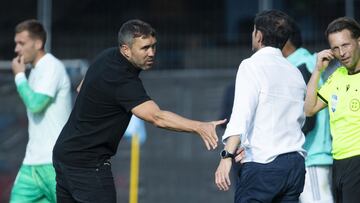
<point>225,154</point>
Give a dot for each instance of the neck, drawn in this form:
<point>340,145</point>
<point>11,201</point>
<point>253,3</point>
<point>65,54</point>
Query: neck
<point>39,55</point>
<point>122,52</point>
<point>257,48</point>
<point>287,51</point>
<point>354,71</point>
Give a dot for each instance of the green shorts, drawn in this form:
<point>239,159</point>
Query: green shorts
<point>34,183</point>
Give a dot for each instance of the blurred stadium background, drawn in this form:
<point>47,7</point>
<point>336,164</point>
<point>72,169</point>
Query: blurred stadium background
<point>200,45</point>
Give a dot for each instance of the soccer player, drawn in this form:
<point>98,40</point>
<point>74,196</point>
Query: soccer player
<point>46,95</point>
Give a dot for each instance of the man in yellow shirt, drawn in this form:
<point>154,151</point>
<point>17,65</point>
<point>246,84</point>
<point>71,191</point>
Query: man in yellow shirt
<point>341,94</point>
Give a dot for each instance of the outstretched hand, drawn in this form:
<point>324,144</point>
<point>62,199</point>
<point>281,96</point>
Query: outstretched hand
<point>207,132</point>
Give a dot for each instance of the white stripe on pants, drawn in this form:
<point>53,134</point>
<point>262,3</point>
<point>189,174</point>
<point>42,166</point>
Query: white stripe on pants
<point>317,187</point>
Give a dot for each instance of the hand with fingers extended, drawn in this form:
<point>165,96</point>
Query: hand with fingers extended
<point>323,59</point>
<point>222,178</point>
<point>207,132</point>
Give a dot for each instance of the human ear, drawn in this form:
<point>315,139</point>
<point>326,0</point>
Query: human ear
<point>39,44</point>
<point>125,51</point>
<point>258,36</point>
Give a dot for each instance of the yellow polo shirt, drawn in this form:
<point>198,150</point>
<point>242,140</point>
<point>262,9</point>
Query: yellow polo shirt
<point>342,94</point>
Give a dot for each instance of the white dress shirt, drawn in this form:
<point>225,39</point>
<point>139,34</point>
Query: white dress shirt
<point>268,110</point>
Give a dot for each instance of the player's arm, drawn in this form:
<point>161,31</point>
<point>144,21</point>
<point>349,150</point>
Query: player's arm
<point>313,103</point>
<point>34,102</point>
<point>150,111</point>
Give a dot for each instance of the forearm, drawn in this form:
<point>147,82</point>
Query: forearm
<point>172,121</point>
<point>150,112</point>
<point>311,93</point>
<point>232,144</point>
<point>34,102</point>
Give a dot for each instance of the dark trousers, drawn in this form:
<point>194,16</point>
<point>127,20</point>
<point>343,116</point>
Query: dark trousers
<point>346,180</point>
<point>279,181</point>
<point>84,185</point>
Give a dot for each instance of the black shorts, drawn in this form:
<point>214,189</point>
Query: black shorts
<point>90,185</point>
<point>346,180</point>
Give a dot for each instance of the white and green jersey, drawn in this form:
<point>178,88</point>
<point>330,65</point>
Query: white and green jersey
<point>341,92</point>
<point>49,78</point>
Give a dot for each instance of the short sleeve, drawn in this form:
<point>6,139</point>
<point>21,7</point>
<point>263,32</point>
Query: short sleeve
<point>131,94</point>
<point>48,81</point>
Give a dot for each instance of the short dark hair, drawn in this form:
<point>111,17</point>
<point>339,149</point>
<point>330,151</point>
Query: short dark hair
<point>274,26</point>
<point>295,35</point>
<point>343,23</point>
<point>133,29</point>
<point>35,29</point>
